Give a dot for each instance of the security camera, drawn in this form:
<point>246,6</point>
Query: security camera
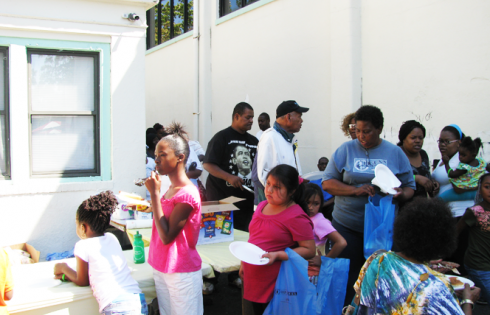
<point>131,16</point>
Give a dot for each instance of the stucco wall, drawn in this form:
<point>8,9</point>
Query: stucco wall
<point>428,60</point>
<point>41,211</point>
<point>169,87</point>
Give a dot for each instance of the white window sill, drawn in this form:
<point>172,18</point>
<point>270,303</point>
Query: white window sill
<point>170,42</point>
<point>43,186</point>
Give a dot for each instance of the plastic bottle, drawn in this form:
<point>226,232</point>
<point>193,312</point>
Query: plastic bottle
<point>139,249</point>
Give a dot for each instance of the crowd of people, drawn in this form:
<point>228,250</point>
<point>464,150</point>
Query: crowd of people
<point>291,213</point>
<point>442,216</point>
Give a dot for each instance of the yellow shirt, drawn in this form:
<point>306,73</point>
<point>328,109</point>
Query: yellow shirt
<point>6,281</point>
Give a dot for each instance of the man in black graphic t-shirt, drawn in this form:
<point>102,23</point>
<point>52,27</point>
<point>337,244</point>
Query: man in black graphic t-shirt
<point>229,158</point>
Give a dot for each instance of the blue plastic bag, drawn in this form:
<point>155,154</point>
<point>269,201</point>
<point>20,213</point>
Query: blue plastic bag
<point>332,285</point>
<point>294,293</point>
<point>379,217</point>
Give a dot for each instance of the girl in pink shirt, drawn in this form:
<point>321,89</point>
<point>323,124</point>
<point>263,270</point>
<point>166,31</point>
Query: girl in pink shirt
<point>278,223</point>
<point>322,231</point>
<point>175,230</point>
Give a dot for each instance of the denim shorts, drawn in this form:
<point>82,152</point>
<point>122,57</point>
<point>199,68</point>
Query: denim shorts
<point>127,304</point>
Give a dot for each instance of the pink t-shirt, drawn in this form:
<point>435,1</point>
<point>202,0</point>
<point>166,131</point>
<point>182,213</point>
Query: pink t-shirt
<point>321,228</point>
<point>180,255</point>
<point>273,233</point>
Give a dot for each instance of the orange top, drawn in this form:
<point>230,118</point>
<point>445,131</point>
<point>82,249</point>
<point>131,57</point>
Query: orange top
<point>6,281</point>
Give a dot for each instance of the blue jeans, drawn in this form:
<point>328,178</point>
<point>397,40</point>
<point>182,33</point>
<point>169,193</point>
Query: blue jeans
<point>482,280</point>
<point>127,304</point>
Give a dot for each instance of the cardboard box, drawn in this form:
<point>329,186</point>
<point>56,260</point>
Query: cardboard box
<point>217,221</point>
<point>28,248</point>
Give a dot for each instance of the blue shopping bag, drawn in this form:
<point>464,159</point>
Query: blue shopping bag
<point>379,216</point>
<point>332,285</point>
<point>294,294</point>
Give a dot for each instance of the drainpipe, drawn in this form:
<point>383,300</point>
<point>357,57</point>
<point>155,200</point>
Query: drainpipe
<point>195,37</point>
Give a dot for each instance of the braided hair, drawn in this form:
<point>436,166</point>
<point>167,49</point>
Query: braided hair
<point>177,139</point>
<point>96,211</point>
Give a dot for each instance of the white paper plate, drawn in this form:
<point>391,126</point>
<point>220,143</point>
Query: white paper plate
<point>385,179</point>
<point>248,253</point>
<point>131,201</point>
<point>464,280</point>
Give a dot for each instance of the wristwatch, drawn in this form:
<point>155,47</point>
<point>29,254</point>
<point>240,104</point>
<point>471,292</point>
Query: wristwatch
<point>467,301</point>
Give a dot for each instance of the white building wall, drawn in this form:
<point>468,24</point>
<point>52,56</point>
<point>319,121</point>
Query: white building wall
<point>428,61</point>
<point>415,60</point>
<point>41,211</point>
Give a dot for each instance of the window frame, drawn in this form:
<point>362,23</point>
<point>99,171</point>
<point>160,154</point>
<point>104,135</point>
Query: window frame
<point>6,113</point>
<point>222,7</point>
<point>154,18</point>
<point>95,113</point>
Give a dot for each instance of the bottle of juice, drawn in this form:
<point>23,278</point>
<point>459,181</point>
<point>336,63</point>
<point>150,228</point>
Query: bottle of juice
<point>139,249</point>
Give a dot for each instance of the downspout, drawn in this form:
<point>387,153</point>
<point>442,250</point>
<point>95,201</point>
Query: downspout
<point>196,36</point>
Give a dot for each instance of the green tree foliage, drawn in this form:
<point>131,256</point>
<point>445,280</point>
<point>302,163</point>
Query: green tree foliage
<point>179,16</point>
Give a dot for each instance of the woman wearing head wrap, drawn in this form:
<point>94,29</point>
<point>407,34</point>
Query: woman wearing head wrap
<point>411,136</point>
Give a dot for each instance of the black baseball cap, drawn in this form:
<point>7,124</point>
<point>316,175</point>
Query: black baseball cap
<point>287,107</point>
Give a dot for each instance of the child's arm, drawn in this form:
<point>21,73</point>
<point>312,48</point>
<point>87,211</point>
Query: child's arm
<point>305,249</point>
<point>79,277</point>
<point>452,173</point>
<point>169,229</point>
<point>339,244</point>
<point>456,173</point>
<point>461,226</point>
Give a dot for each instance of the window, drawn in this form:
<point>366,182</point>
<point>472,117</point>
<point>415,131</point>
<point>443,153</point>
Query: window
<point>170,18</point>
<point>64,113</point>
<point>228,6</point>
<point>4,115</point>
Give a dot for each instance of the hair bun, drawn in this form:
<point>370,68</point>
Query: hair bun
<point>176,128</point>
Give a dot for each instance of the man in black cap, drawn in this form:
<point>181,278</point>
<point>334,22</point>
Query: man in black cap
<point>278,145</point>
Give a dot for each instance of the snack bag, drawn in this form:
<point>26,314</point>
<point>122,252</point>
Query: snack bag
<point>226,227</point>
<point>219,221</point>
<point>209,229</point>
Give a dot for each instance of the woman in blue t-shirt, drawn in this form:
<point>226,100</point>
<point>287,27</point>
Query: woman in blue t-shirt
<point>348,177</point>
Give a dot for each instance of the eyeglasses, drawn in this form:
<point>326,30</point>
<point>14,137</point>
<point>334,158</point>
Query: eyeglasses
<point>445,142</point>
<point>352,126</point>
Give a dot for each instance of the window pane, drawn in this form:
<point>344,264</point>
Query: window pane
<point>2,80</point>
<point>62,143</point>
<point>190,15</point>
<point>3,152</point>
<point>62,83</point>
<point>165,16</point>
<point>231,5</point>
<point>178,17</point>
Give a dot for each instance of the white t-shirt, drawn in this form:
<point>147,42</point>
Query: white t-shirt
<point>258,134</point>
<point>108,270</point>
<point>458,208</point>
<point>193,158</point>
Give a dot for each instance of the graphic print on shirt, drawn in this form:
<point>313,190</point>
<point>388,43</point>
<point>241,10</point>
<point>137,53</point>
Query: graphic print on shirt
<point>240,163</point>
<point>363,165</point>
